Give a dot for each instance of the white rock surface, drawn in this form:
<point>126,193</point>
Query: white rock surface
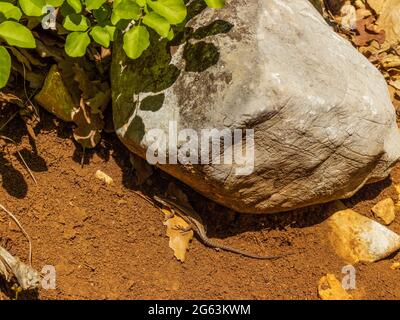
<point>324,124</point>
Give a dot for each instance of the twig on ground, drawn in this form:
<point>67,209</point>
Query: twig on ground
<point>26,92</point>
<point>14,218</point>
<point>83,157</point>
<point>8,121</point>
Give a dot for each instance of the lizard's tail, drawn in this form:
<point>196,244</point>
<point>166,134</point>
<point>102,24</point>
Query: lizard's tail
<point>246,253</point>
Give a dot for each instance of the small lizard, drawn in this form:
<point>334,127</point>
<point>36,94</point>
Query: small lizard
<point>196,224</point>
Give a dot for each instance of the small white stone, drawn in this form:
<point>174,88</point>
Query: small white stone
<point>104,177</point>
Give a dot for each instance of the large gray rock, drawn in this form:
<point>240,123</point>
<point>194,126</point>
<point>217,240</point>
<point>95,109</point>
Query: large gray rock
<point>324,124</point>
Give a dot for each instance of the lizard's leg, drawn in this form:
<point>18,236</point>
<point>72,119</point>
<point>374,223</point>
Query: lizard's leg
<point>171,215</point>
<point>183,229</point>
<point>178,227</point>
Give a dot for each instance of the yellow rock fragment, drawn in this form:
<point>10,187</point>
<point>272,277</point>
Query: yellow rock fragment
<point>385,210</point>
<point>104,177</point>
<point>330,288</point>
<point>395,266</point>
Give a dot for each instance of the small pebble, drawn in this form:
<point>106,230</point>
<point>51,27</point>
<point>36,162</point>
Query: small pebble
<point>104,177</point>
<point>385,210</point>
<point>395,266</point>
<point>330,288</point>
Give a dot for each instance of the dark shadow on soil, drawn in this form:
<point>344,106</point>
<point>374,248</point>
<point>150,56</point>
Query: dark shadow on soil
<point>368,192</point>
<point>7,289</point>
<point>84,156</point>
<point>13,181</point>
<point>35,162</point>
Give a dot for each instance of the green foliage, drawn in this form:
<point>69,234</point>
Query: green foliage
<point>14,34</point>
<point>5,66</point>
<point>91,21</point>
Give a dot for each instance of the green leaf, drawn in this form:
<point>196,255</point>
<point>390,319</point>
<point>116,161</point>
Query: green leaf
<point>215,4</point>
<point>76,44</point>
<point>158,23</point>
<point>173,10</point>
<point>5,66</point>
<point>125,9</point>
<point>66,9</point>
<point>55,3</point>
<point>136,40</point>
<point>76,5</point>
<point>94,4</point>
<point>171,34</point>
<point>76,22</point>
<point>111,31</point>
<point>17,35</point>
<point>32,8</point>
<point>10,11</point>
<point>101,36</point>
<point>102,14</point>
<point>141,3</point>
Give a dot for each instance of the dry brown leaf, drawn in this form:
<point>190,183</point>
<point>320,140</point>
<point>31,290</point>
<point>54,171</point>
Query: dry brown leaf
<point>389,20</point>
<point>377,37</point>
<point>89,126</point>
<point>391,61</point>
<point>367,33</point>
<point>178,240</point>
<point>376,5</point>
